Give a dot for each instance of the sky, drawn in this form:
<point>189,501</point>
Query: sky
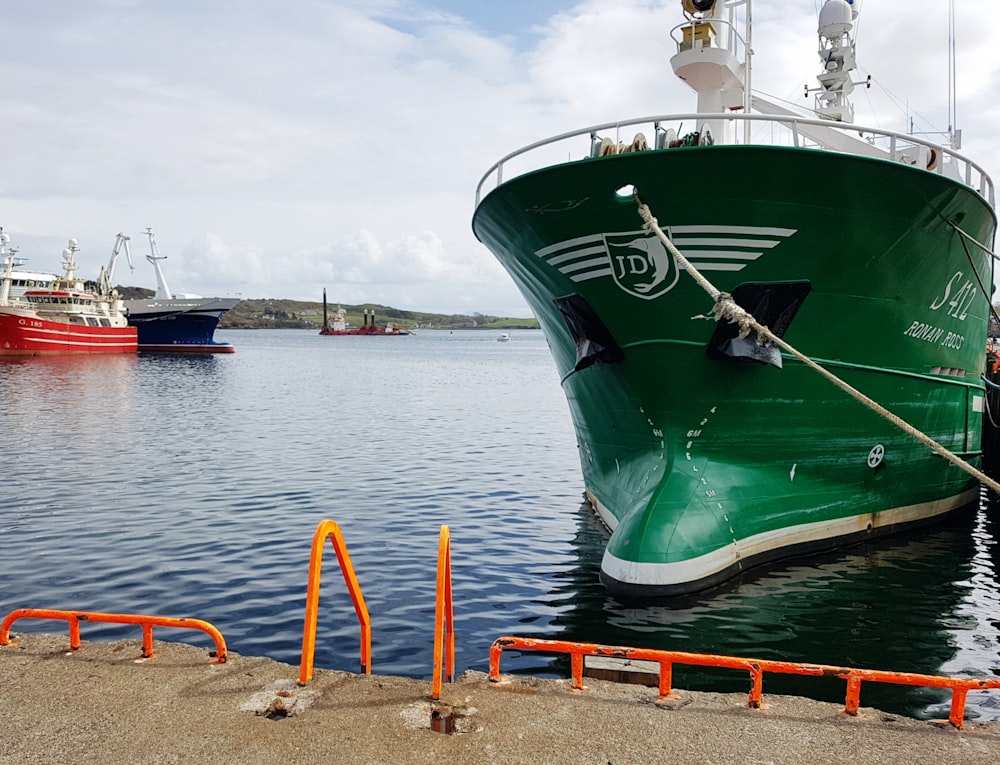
<point>277,148</point>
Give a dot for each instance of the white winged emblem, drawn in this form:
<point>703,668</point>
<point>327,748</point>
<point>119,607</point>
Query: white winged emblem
<point>640,264</point>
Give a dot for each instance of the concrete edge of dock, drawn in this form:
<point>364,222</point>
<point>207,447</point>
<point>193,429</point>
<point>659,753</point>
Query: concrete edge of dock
<point>105,704</point>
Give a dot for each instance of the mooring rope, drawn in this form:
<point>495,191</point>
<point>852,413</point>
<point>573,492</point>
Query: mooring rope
<point>975,241</point>
<point>728,309</point>
<point>972,265</point>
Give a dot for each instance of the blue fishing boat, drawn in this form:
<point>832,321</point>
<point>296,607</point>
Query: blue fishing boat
<point>173,322</point>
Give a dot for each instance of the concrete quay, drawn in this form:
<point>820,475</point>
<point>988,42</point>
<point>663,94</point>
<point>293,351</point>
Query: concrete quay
<point>104,704</point>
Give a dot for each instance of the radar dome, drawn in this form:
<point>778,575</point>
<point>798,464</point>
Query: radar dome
<point>835,18</point>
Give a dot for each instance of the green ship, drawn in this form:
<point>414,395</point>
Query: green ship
<point>704,452</point>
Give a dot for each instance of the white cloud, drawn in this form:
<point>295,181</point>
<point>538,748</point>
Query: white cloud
<point>280,148</point>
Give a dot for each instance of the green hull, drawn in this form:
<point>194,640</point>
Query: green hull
<point>703,464</point>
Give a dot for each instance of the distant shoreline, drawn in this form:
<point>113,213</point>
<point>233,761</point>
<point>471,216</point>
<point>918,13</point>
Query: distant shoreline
<point>299,314</point>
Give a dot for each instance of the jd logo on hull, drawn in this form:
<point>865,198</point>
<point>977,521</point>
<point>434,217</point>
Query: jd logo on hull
<point>641,265</point>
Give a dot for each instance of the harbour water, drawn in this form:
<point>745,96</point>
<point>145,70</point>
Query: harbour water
<point>192,485</point>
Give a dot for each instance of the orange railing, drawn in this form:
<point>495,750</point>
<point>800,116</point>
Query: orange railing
<point>756,667</point>
<point>332,530</point>
<point>147,622</point>
<point>444,618</point>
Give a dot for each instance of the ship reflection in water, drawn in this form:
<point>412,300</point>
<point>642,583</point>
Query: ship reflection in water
<point>856,608</point>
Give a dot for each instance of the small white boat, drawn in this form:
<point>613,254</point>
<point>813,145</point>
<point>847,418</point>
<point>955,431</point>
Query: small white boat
<point>503,338</point>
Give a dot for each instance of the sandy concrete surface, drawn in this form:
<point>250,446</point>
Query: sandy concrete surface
<point>104,704</point>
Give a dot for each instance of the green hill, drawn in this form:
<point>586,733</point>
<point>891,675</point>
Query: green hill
<point>276,313</point>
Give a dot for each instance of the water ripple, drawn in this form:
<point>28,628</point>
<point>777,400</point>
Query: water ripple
<point>191,486</point>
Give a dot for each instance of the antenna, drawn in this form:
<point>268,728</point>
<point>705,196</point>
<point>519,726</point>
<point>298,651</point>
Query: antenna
<point>838,58</point>
<point>954,135</point>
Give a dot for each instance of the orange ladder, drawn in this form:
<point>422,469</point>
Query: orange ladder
<point>330,529</point>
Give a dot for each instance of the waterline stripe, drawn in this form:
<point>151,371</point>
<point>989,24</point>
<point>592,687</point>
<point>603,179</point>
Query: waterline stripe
<point>704,566</point>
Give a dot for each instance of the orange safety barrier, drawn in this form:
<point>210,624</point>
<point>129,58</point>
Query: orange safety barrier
<point>960,686</point>
<point>444,617</point>
<point>332,530</point>
<point>147,622</point>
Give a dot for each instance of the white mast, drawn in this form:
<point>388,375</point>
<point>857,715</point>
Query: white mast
<point>69,265</point>
<point>954,134</point>
<point>162,290</point>
<point>708,60</point>
<point>8,267</point>
<point>837,55</point>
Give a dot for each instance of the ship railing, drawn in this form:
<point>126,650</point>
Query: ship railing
<point>959,686</point>
<point>17,301</point>
<point>686,36</point>
<point>766,129</point>
<point>146,621</point>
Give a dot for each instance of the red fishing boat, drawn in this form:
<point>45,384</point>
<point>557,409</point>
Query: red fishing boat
<point>338,326</point>
<point>64,317</point>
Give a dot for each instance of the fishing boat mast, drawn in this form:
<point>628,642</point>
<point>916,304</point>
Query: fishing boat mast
<point>162,290</point>
<point>713,58</point>
<point>8,263</point>
<point>715,53</point>
<point>838,57</point>
<point>954,134</point>
<point>69,280</point>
